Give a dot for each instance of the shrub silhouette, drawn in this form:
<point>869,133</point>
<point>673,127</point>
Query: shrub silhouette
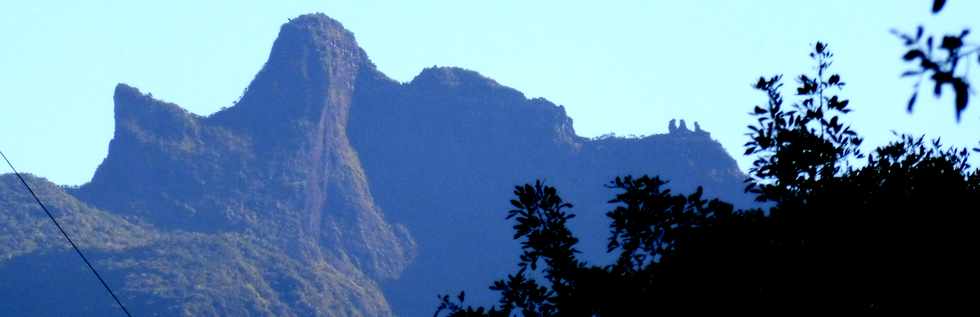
<point>895,234</point>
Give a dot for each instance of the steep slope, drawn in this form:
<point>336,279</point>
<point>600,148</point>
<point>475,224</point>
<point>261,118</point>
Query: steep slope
<point>277,164</point>
<point>329,189</point>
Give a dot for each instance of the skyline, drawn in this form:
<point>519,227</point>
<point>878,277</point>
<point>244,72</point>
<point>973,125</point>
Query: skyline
<point>64,61</point>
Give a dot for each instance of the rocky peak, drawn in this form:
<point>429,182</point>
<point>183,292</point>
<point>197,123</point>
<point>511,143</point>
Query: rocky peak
<point>130,102</point>
<point>309,76</point>
<point>452,77</point>
<point>674,129</point>
<point>316,36</point>
<point>139,115</point>
<point>306,190</point>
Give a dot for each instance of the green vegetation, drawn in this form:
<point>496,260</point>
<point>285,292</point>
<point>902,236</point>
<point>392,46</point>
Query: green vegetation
<point>25,229</point>
<point>158,272</point>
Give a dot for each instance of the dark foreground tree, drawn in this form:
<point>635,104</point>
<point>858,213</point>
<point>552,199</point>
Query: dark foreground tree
<point>895,235</point>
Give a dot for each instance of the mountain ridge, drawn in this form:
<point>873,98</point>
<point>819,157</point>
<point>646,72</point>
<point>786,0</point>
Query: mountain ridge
<point>331,189</point>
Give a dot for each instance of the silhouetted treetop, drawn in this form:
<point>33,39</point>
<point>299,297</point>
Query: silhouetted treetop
<point>890,236</point>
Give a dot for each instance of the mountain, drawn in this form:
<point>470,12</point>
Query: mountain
<point>328,189</point>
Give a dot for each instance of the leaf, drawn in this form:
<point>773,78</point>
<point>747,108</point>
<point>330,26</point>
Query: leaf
<point>937,5</point>
<point>911,73</point>
<point>951,43</point>
<point>912,101</point>
<point>962,96</point>
<point>833,102</point>
<point>918,33</point>
<point>913,54</point>
<point>820,47</point>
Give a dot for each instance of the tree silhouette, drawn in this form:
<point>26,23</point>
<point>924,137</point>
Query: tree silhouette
<point>895,234</point>
<point>797,147</point>
<point>940,61</point>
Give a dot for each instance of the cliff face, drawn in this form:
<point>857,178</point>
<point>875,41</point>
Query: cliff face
<point>330,189</point>
<point>278,163</point>
<point>276,168</point>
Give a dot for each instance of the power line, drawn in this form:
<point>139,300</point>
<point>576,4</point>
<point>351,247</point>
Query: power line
<point>73,245</point>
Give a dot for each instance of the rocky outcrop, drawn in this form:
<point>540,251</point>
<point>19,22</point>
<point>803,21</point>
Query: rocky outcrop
<point>276,168</point>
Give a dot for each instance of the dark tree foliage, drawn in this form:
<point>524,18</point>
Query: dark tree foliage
<point>897,234</point>
<point>800,145</point>
<point>646,225</point>
<point>939,60</point>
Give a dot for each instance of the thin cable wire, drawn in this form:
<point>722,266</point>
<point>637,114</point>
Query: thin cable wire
<point>64,233</point>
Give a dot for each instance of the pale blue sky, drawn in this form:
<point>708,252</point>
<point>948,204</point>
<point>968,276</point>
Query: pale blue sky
<point>626,68</point>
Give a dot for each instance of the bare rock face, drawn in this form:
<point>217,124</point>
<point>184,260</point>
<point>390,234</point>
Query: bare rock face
<point>330,189</point>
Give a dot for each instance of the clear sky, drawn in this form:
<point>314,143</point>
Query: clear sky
<point>626,68</point>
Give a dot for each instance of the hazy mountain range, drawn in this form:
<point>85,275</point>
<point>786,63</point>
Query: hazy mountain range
<point>328,189</point>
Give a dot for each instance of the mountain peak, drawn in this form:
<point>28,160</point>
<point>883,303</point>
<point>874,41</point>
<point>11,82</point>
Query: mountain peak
<point>139,114</point>
<point>315,30</point>
<point>312,68</point>
<point>316,18</point>
<point>123,89</point>
<point>452,77</point>
<point>320,26</point>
